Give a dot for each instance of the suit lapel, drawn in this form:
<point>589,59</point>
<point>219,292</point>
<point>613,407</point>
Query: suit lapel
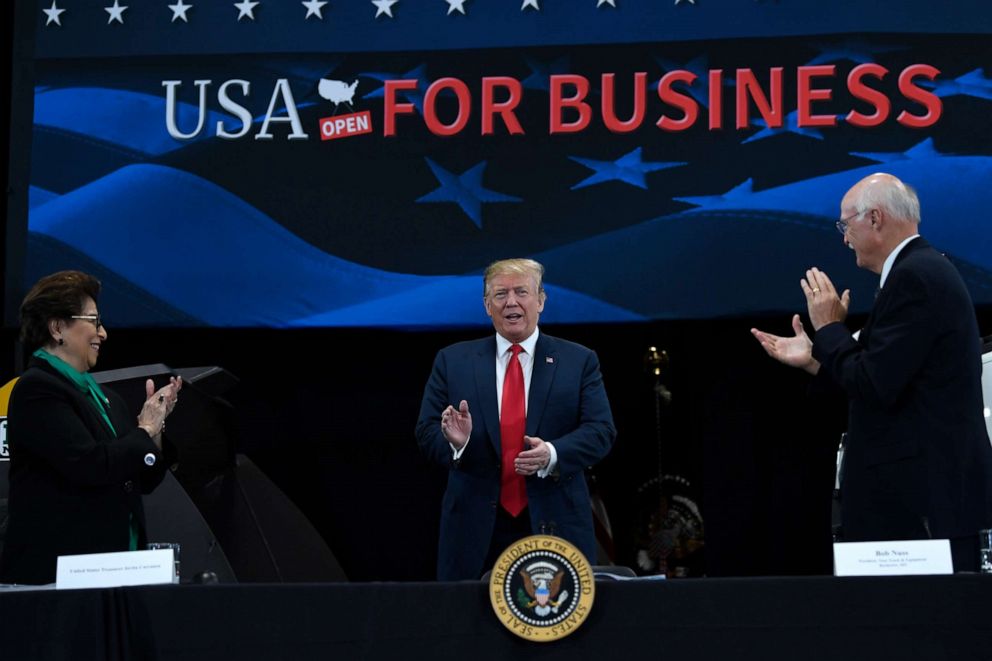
<point>919,243</point>
<point>545,363</point>
<point>86,408</point>
<point>485,384</point>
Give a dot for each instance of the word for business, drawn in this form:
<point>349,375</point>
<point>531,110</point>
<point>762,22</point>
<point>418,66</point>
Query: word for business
<point>873,93</point>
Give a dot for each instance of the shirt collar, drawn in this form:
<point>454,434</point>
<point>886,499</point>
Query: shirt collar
<point>890,260</point>
<point>503,344</point>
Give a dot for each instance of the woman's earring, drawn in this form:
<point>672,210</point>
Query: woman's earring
<point>61,341</point>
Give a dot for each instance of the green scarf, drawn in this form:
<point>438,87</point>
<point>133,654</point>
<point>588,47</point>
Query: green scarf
<point>81,380</point>
<point>88,386</point>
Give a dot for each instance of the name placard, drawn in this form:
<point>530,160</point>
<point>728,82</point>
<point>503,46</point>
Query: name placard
<point>899,558</point>
<point>107,570</point>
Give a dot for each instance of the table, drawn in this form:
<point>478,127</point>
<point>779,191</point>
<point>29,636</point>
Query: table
<point>811,618</point>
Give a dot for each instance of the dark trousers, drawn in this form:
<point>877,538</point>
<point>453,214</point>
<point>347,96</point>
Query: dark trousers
<point>508,529</point>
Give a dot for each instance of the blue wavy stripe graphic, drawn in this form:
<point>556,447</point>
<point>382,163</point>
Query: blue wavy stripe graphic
<point>463,306</point>
<point>119,117</point>
<point>241,268</point>
<point>205,251</point>
<point>954,193</point>
<point>231,265</point>
<point>747,255</point>
<point>707,264</point>
<point>38,196</point>
<point>62,161</point>
<point>123,302</point>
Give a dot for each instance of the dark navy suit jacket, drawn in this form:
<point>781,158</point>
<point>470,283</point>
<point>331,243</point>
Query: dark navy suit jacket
<point>567,406</point>
<point>918,462</point>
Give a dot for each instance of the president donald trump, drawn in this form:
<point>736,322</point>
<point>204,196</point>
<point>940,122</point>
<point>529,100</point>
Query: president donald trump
<point>516,418</point>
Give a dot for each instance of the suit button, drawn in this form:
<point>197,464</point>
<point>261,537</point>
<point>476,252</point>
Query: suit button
<point>129,486</point>
<point>492,504</point>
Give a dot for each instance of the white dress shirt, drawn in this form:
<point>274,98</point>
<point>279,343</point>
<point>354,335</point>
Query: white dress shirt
<point>891,259</point>
<point>886,267</point>
<point>526,358</point>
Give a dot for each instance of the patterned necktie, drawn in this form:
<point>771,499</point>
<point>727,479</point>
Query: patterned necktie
<point>512,424</point>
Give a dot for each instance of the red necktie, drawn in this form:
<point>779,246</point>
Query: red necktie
<point>512,424</point>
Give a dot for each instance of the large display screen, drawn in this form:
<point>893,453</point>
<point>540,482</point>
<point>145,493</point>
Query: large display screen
<point>293,164</point>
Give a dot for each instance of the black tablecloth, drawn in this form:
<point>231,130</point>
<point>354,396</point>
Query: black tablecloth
<point>908,618</point>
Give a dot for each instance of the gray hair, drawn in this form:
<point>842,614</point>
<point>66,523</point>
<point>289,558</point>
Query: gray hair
<point>888,193</point>
<point>515,266</point>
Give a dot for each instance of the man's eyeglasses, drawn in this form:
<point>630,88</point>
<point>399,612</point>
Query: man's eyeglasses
<point>92,318</point>
<point>844,222</point>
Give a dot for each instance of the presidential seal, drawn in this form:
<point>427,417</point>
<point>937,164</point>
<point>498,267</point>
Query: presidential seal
<point>542,588</point>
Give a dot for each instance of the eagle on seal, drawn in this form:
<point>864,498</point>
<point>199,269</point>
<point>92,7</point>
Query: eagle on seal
<point>543,591</point>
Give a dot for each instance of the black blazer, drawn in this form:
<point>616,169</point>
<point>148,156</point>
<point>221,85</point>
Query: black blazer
<point>918,461</point>
<point>74,486</point>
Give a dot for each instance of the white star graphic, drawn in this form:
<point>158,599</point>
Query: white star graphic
<point>116,13</point>
<point>179,11</point>
<point>53,15</point>
<point>384,7</point>
<point>529,3</point>
<point>314,8</point>
<point>456,5</point>
<point>600,3</point>
<point>246,8</point>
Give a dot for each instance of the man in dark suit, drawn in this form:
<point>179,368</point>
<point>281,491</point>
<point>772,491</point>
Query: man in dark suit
<point>516,418</point>
<point>918,463</point>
